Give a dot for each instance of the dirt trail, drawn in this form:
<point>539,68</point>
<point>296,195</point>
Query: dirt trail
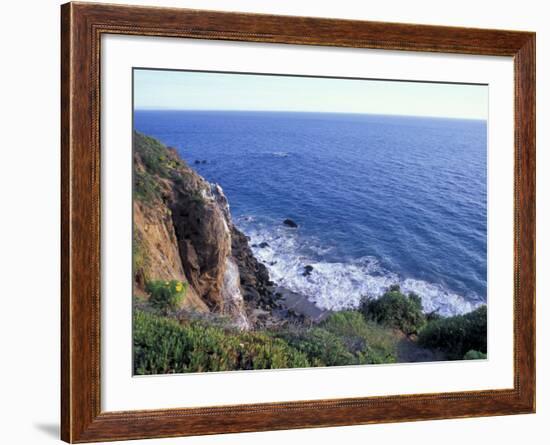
<point>408,351</point>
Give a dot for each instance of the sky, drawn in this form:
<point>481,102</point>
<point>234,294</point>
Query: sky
<point>185,90</point>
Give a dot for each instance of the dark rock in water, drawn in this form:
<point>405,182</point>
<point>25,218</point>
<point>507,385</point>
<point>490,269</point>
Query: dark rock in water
<point>204,161</point>
<point>288,222</point>
<point>197,161</point>
<point>307,270</point>
<point>272,263</point>
<point>263,245</point>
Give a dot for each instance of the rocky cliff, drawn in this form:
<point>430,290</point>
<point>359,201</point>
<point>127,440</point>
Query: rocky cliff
<point>183,230</point>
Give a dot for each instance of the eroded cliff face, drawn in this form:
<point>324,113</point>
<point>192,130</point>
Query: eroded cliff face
<point>183,230</point>
<point>156,256</point>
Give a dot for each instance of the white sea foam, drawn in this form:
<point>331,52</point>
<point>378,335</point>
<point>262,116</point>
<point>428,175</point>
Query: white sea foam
<point>340,285</point>
<point>280,154</point>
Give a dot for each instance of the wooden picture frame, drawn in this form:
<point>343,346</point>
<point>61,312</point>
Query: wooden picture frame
<point>82,26</point>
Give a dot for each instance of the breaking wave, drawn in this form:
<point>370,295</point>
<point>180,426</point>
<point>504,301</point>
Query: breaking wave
<point>338,285</point>
<point>280,154</point>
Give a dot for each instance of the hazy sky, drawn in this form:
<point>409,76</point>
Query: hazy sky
<point>182,90</point>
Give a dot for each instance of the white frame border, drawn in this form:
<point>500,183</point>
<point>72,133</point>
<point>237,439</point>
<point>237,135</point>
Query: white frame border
<point>121,391</point>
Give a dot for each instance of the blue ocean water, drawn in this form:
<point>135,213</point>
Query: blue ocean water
<point>378,199</point>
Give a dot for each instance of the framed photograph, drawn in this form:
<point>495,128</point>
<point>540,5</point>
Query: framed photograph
<point>274,222</point>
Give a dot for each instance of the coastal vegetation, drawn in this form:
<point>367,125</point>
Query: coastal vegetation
<point>461,336</point>
<point>166,296</point>
<point>194,344</point>
<point>395,309</point>
<point>203,302</point>
<point>185,342</point>
<point>164,345</point>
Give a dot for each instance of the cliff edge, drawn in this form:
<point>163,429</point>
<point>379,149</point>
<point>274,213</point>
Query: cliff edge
<point>183,230</point>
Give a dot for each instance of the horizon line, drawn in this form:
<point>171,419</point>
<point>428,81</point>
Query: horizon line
<point>309,112</point>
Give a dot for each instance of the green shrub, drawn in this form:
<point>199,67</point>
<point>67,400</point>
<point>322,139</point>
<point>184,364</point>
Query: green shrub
<point>146,188</point>
<point>344,338</point>
<point>457,335</point>
<point>319,346</point>
<point>396,310</point>
<point>163,345</point>
<point>153,154</point>
<point>474,355</point>
<point>370,342</point>
<point>158,162</point>
<point>166,296</point>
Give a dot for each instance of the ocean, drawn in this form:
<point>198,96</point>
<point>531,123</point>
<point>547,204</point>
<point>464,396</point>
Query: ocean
<point>378,200</point>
